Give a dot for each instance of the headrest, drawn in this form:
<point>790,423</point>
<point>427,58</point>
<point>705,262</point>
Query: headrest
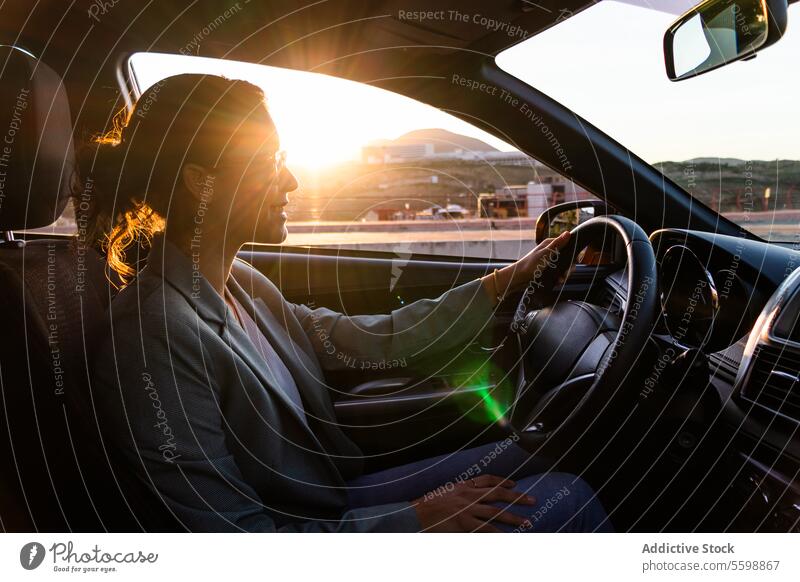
<point>36,151</point>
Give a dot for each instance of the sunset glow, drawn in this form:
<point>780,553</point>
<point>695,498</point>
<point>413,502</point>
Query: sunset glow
<point>322,120</point>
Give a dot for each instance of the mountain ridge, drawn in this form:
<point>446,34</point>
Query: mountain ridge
<point>444,141</point>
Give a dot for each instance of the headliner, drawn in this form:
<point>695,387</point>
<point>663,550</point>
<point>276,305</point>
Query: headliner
<point>375,42</point>
<point>331,36</point>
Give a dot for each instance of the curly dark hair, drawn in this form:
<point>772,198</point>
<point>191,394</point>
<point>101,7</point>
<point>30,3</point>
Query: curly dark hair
<point>133,171</point>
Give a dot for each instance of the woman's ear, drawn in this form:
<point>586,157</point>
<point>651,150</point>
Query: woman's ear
<point>198,180</point>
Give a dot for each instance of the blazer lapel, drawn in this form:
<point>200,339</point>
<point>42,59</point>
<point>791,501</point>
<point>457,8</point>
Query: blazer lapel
<point>165,260</point>
<point>303,369</point>
<point>313,390</point>
<point>241,344</point>
<point>308,378</point>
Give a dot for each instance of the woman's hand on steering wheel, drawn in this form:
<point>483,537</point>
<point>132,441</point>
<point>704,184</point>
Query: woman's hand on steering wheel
<point>530,267</point>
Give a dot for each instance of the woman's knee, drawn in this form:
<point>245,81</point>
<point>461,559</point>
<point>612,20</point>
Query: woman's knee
<point>573,485</point>
<point>564,502</point>
<point>565,484</point>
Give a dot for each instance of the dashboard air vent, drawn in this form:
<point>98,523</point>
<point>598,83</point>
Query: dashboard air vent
<point>770,371</point>
<point>774,381</point>
<point>726,363</point>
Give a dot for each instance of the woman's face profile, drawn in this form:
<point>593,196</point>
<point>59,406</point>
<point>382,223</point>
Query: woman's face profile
<point>251,174</point>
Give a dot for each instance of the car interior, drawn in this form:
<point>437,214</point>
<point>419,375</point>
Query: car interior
<point>680,423</point>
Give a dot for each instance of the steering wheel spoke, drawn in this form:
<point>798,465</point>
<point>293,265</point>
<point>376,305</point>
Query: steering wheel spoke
<point>573,354</point>
<point>557,403</point>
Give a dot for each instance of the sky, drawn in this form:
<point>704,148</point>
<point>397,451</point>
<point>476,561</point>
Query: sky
<point>616,80</point>
<point>321,120</point>
<point>605,63</point>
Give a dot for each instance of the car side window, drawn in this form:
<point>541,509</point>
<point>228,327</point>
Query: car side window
<point>379,171</point>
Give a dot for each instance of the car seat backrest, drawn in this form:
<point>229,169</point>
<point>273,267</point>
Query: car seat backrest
<point>36,148</point>
<point>56,471</point>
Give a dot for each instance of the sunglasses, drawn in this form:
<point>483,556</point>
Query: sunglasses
<point>276,163</point>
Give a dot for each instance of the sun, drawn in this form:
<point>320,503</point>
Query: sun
<point>323,121</point>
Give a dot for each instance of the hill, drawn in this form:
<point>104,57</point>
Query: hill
<point>443,141</point>
<point>734,185</point>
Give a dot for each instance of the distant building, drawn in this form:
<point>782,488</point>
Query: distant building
<point>452,211</point>
<point>440,145</point>
<point>504,159</point>
<point>394,214</point>
<point>396,153</point>
<point>529,200</point>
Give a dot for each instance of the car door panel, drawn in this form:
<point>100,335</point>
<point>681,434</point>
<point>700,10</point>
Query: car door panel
<point>421,409</point>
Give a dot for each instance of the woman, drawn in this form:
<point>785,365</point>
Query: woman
<point>212,384</point>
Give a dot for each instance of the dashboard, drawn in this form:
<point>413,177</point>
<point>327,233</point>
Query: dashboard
<point>732,306</point>
<point>714,287</point>
<point>736,302</point>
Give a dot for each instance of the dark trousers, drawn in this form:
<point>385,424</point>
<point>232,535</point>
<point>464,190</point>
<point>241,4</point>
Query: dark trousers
<point>564,502</point>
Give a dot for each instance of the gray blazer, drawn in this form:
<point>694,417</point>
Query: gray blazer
<point>185,395</point>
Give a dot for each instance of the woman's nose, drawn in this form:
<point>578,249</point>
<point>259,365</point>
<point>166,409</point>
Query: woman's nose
<point>288,181</point>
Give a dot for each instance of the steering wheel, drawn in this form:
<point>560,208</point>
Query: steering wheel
<point>575,358</point>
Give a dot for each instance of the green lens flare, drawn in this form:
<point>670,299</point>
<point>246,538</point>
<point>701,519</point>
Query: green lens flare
<point>492,407</point>
<point>480,396</point>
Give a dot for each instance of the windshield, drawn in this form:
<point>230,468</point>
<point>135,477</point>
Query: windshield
<point>731,138</point>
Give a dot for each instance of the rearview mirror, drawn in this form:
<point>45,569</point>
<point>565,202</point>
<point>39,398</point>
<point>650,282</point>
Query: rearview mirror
<point>719,32</point>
